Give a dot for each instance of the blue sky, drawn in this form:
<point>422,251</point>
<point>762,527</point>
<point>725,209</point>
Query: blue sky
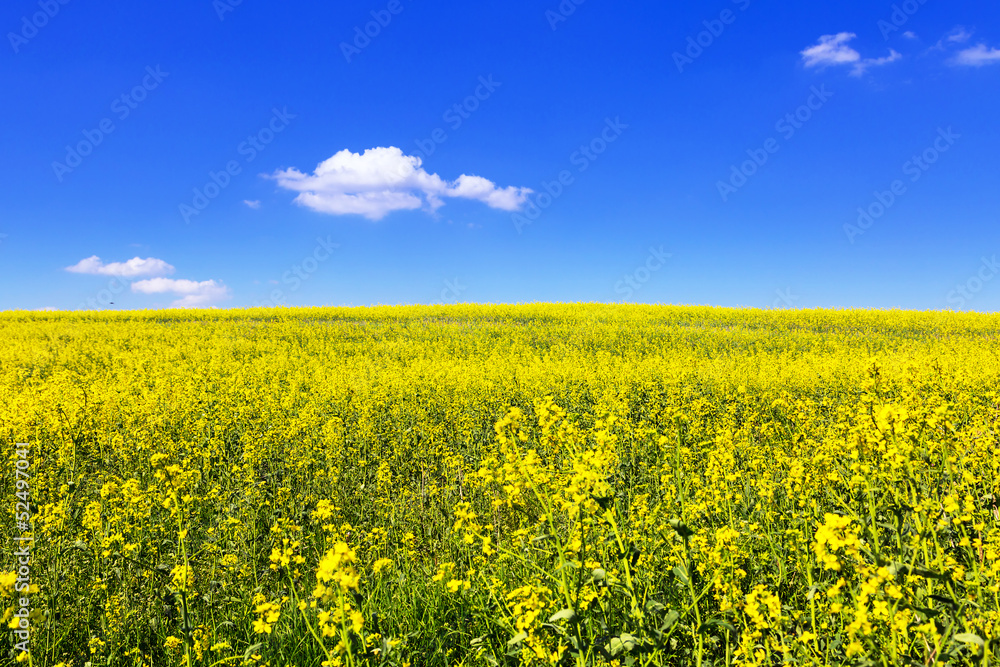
<point>733,152</point>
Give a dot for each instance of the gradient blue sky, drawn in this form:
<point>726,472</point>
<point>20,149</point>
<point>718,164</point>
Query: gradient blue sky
<point>646,220</point>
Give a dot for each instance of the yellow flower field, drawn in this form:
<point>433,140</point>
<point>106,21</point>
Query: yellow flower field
<point>503,485</point>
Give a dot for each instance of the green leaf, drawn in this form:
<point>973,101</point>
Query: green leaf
<point>520,637</point>
<point>681,573</point>
<point>598,574</point>
<point>717,623</point>
<point>654,607</point>
<point>680,528</point>
<point>943,600</point>
<point>920,572</point>
<point>563,615</point>
<point>603,502</point>
<point>969,638</point>
<point>253,649</point>
<point>622,644</point>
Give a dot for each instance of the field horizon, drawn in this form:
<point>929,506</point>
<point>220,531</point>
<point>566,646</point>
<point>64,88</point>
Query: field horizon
<point>543,484</point>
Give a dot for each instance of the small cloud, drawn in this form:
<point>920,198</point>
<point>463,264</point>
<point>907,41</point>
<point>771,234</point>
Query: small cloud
<point>909,34</point>
<point>382,180</point>
<point>958,35</point>
<point>977,56</point>
<point>193,294</point>
<point>133,268</point>
<point>254,204</point>
<point>875,62</point>
<point>833,50</point>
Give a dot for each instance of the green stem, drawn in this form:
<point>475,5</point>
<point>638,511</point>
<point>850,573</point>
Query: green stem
<point>312,631</point>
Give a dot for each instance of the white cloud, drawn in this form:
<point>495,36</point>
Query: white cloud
<point>193,294</point>
<point>254,204</point>
<point>133,268</point>
<point>382,180</point>
<point>958,35</point>
<point>977,56</point>
<point>832,50</point>
<point>875,62</point>
<point>909,34</point>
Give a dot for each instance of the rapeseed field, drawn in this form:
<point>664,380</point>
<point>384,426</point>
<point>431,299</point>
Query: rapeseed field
<point>501,485</point>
